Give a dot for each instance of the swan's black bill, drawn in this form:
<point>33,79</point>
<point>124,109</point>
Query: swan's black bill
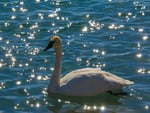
<point>50,45</point>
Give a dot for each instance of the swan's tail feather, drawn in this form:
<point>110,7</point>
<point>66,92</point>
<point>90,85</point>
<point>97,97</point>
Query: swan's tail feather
<point>128,82</point>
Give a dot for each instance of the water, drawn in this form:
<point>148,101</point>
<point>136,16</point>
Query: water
<point>109,34</point>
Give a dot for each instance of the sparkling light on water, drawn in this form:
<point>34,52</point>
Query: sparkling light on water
<point>111,37</point>
<point>94,108</point>
<point>139,55</point>
<point>13,9</point>
<point>13,17</point>
<point>1,64</point>
<point>26,91</point>
<point>146,107</point>
<point>38,105</point>
<point>16,106</point>
<point>18,82</point>
<point>39,77</point>
<point>140,30</point>
<point>2,85</point>
<point>78,59</point>
<point>112,26</point>
<point>1,38</point>
<point>102,108</point>
<point>95,50</point>
<point>6,24</point>
<point>103,52</point>
<point>85,29</point>
<point>37,0</point>
<point>145,38</point>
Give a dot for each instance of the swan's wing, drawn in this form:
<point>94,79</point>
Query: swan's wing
<point>118,79</point>
<point>90,81</point>
<point>79,73</point>
<point>96,73</point>
<point>82,82</point>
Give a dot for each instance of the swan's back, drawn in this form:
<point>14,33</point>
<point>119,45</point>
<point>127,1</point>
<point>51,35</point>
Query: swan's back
<point>90,81</point>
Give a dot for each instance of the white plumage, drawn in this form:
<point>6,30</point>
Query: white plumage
<point>81,82</point>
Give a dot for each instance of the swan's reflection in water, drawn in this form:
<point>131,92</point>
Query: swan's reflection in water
<point>96,104</point>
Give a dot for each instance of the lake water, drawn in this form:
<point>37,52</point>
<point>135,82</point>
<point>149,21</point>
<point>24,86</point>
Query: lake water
<point>113,35</point>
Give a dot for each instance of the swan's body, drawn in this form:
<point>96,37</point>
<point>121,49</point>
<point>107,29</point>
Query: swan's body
<point>81,82</point>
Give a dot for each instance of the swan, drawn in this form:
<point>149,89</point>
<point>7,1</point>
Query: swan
<point>81,82</point>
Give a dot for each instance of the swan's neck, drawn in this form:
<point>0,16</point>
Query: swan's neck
<point>55,80</point>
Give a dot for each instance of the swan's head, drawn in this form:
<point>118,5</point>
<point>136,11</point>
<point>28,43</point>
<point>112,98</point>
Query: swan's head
<point>55,42</point>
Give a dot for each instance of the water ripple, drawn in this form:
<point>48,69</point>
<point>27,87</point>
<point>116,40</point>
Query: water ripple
<point>112,35</point>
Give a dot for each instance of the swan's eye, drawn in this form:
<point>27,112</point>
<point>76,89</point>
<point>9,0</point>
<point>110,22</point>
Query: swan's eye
<point>50,45</point>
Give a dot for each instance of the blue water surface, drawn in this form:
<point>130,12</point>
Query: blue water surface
<point>113,35</point>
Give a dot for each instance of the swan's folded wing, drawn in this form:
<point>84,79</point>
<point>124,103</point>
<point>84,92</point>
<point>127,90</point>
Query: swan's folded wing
<point>91,81</point>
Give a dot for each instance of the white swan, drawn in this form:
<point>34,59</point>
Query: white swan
<point>81,82</point>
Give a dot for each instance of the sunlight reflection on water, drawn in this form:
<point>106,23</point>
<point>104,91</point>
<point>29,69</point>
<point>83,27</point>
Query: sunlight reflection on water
<point>112,35</point>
